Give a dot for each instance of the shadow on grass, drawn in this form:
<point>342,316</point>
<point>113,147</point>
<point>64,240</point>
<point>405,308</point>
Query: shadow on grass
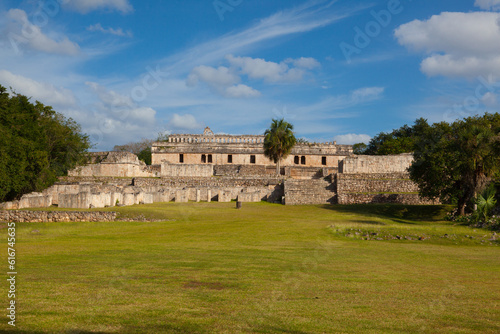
<point>399,211</point>
<point>183,328</point>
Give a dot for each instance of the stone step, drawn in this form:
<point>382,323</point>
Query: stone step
<point>318,191</point>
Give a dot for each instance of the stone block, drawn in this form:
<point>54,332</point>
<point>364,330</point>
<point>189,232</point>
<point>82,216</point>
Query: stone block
<point>182,196</point>
<point>224,196</point>
<point>35,200</point>
<point>77,201</point>
<point>249,197</point>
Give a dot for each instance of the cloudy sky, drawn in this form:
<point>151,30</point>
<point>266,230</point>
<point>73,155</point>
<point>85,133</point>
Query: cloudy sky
<point>338,70</point>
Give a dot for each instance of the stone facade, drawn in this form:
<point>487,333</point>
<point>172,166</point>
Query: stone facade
<point>369,164</point>
<point>209,148</point>
<point>378,188</point>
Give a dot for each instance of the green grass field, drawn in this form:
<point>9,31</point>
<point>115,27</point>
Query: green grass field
<point>266,268</point>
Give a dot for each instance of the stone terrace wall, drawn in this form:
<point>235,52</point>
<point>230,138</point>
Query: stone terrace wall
<point>318,191</point>
<point>369,183</point>
<point>55,216</point>
<point>378,188</point>
<point>175,170</point>
<point>215,182</point>
<point>244,170</point>
<point>270,189</point>
<point>357,164</point>
<point>410,199</point>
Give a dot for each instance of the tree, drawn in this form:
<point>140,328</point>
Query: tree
<point>279,141</point>
<point>399,141</point>
<point>145,155</point>
<point>454,162</point>
<point>359,148</point>
<point>37,145</point>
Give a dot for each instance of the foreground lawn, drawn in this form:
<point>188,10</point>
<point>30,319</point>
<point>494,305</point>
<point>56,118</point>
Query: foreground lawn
<point>209,268</point>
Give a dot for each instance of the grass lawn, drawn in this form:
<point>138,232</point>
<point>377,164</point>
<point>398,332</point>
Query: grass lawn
<point>266,268</point>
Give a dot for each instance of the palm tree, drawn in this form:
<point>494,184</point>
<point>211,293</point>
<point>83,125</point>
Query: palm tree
<point>279,141</point>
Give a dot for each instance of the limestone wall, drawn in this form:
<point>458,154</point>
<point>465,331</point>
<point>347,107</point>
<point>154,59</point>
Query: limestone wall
<point>115,164</point>
<point>183,170</point>
<point>55,216</point>
<point>363,164</point>
<point>370,183</point>
<point>317,191</point>
<point>410,199</point>
<point>378,188</point>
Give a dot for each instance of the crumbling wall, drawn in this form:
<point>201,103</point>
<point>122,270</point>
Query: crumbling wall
<point>115,164</point>
<point>369,164</point>
<point>183,170</point>
<point>55,216</point>
<point>378,188</point>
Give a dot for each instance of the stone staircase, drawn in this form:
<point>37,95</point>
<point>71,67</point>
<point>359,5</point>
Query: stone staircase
<point>312,191</point>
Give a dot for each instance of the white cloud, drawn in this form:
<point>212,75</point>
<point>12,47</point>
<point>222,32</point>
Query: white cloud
<point>24,32</point>
<point>307,63</point>
<point>86,6</point>
<point>241,91</point>
<point>121,107</point>
<point>214,77</point>
<point>225,80</point>
<point>351,139</point>
<point>257,68</point>
<point>488,4</point>
<point>221,80</point>
<point>117,32</point>
<point>304,18</point>
<point>183,122</point>
<point>459,44</point>
<point>44,92</point>
<point>367,94</point>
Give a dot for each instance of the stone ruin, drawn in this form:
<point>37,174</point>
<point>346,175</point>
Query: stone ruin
<point>331,174</point>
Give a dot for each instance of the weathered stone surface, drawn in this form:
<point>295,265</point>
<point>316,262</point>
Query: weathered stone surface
<point>411,199</point>
<point>224,196</point>
<point>116,164</point>
<point>35,200</point>
<point>376,164</point>
<point>176,170</point>
<point>55,216</point>
<point>381,182</point>
<point>315,191</point>
<point>182,196</point>
<point>77,201</point>
<point>249,197</point>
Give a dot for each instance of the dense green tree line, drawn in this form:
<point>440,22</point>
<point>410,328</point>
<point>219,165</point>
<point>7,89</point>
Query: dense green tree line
<point>456,162</point>
<point>37,145</point>
<point>453,162</point>
<point>398,141</point>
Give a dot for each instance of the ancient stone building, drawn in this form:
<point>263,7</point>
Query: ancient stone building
<point>209,148</point>
<point>223,168</point>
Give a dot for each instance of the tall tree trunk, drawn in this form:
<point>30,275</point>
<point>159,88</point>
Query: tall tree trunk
<point>278,169</point>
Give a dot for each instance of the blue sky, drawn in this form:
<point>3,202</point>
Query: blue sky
<point>338,70</point>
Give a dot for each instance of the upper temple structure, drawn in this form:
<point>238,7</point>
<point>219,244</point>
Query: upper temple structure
<point>223,168</point>
<point>209,148</point>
